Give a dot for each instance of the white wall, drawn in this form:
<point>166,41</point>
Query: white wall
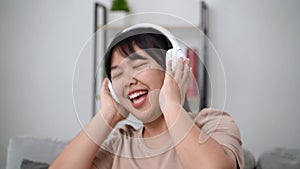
<point>39,43</point>
<point>257,42</point>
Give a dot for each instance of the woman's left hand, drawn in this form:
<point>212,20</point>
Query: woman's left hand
<point>175,84</point>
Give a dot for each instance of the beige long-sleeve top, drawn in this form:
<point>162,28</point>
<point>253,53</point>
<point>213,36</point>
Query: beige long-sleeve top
<point>129,150</point>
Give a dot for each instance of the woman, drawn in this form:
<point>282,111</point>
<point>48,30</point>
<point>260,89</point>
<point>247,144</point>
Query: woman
<point>154,93</point>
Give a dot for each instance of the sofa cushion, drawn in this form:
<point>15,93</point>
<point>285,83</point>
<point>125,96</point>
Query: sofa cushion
<point>28,164</point>
<point>280,158</point>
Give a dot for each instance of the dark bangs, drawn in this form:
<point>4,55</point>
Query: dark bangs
<point>144,38</point>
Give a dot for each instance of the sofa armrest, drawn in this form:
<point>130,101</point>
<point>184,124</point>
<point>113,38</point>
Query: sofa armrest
<point>36,149</point>
<point>250,161</point>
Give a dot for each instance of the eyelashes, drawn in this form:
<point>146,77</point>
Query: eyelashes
<point>140,66</point>
<point>116,75</point>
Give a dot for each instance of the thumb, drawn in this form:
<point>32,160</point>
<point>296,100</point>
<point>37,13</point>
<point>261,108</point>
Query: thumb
<point>169,72</point>
<point>104,87</point>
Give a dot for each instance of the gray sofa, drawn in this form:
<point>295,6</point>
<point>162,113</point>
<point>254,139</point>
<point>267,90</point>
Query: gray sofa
<point>37,153</point>
<point>30,152</point>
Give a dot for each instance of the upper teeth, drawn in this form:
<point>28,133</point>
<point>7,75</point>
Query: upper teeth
<point>136,94</point>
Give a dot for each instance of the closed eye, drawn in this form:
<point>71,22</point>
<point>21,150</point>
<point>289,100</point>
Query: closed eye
<point>116,75</point>
<point>139,65</point>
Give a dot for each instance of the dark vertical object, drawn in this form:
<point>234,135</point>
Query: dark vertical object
<point>203,74</point>
<point>96,7</point>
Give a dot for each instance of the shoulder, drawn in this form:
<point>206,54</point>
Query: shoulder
<point>217,123</point>
<point>221,127</point>
<point>210,117</point>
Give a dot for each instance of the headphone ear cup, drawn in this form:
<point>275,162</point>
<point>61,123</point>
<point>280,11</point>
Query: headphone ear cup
<point>180,54</point>
<point>113,94</point>
<point>171,55</point>
<point>174,55</point>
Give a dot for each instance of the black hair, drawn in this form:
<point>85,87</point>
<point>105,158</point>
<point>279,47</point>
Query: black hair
<point>144,38</point>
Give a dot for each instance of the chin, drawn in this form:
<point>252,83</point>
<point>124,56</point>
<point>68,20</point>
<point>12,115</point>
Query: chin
<point>146,116</point>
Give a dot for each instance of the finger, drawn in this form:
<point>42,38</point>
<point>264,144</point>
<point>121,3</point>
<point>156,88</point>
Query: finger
<point>169,74</point>
<point>178,76</point>
<point>183,78</point>
<point>187,69</point>
<point>187,61</point>
<point>105,88</point>
<point>169,67</point>
<point>179,65</point>
<point>104,85</point>
<point>179,70</point>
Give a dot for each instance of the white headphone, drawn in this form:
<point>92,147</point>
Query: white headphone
<point>172,54</point>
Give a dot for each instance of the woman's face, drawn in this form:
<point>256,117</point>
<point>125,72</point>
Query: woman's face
<point>137,80</point>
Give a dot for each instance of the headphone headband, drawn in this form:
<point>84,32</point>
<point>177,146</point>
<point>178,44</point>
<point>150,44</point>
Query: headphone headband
<point>161,29</point>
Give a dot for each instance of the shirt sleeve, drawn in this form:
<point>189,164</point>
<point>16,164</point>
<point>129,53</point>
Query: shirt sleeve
<point>103,159</point>
<point>221,127</point>
<point>112,145</point>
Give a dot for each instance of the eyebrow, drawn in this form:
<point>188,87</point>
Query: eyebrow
<point>131,57</point>
<point>136,56</point>
<point>113,67</point>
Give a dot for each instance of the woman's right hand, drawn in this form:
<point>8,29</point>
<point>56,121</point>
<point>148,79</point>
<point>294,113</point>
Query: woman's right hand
<point>112,111</point>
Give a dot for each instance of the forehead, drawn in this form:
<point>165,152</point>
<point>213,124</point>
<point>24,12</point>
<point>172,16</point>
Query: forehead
<point>139,54</point>
<point>116,58</point>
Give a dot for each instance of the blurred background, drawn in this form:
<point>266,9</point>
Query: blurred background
<point>257,41</point>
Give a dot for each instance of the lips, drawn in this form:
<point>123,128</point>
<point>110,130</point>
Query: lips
<point>138,97</point>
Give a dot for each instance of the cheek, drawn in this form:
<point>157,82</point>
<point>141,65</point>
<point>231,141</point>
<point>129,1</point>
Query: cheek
<point>152,77</point>
<point>118,86</point>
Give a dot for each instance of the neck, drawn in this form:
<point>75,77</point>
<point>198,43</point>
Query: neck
<point>155,127</point>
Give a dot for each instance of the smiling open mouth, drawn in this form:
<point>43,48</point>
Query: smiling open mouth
<point>138,98</point>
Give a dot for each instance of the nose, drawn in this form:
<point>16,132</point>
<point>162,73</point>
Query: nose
<point>130,81</point>
<point>130,77</point>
